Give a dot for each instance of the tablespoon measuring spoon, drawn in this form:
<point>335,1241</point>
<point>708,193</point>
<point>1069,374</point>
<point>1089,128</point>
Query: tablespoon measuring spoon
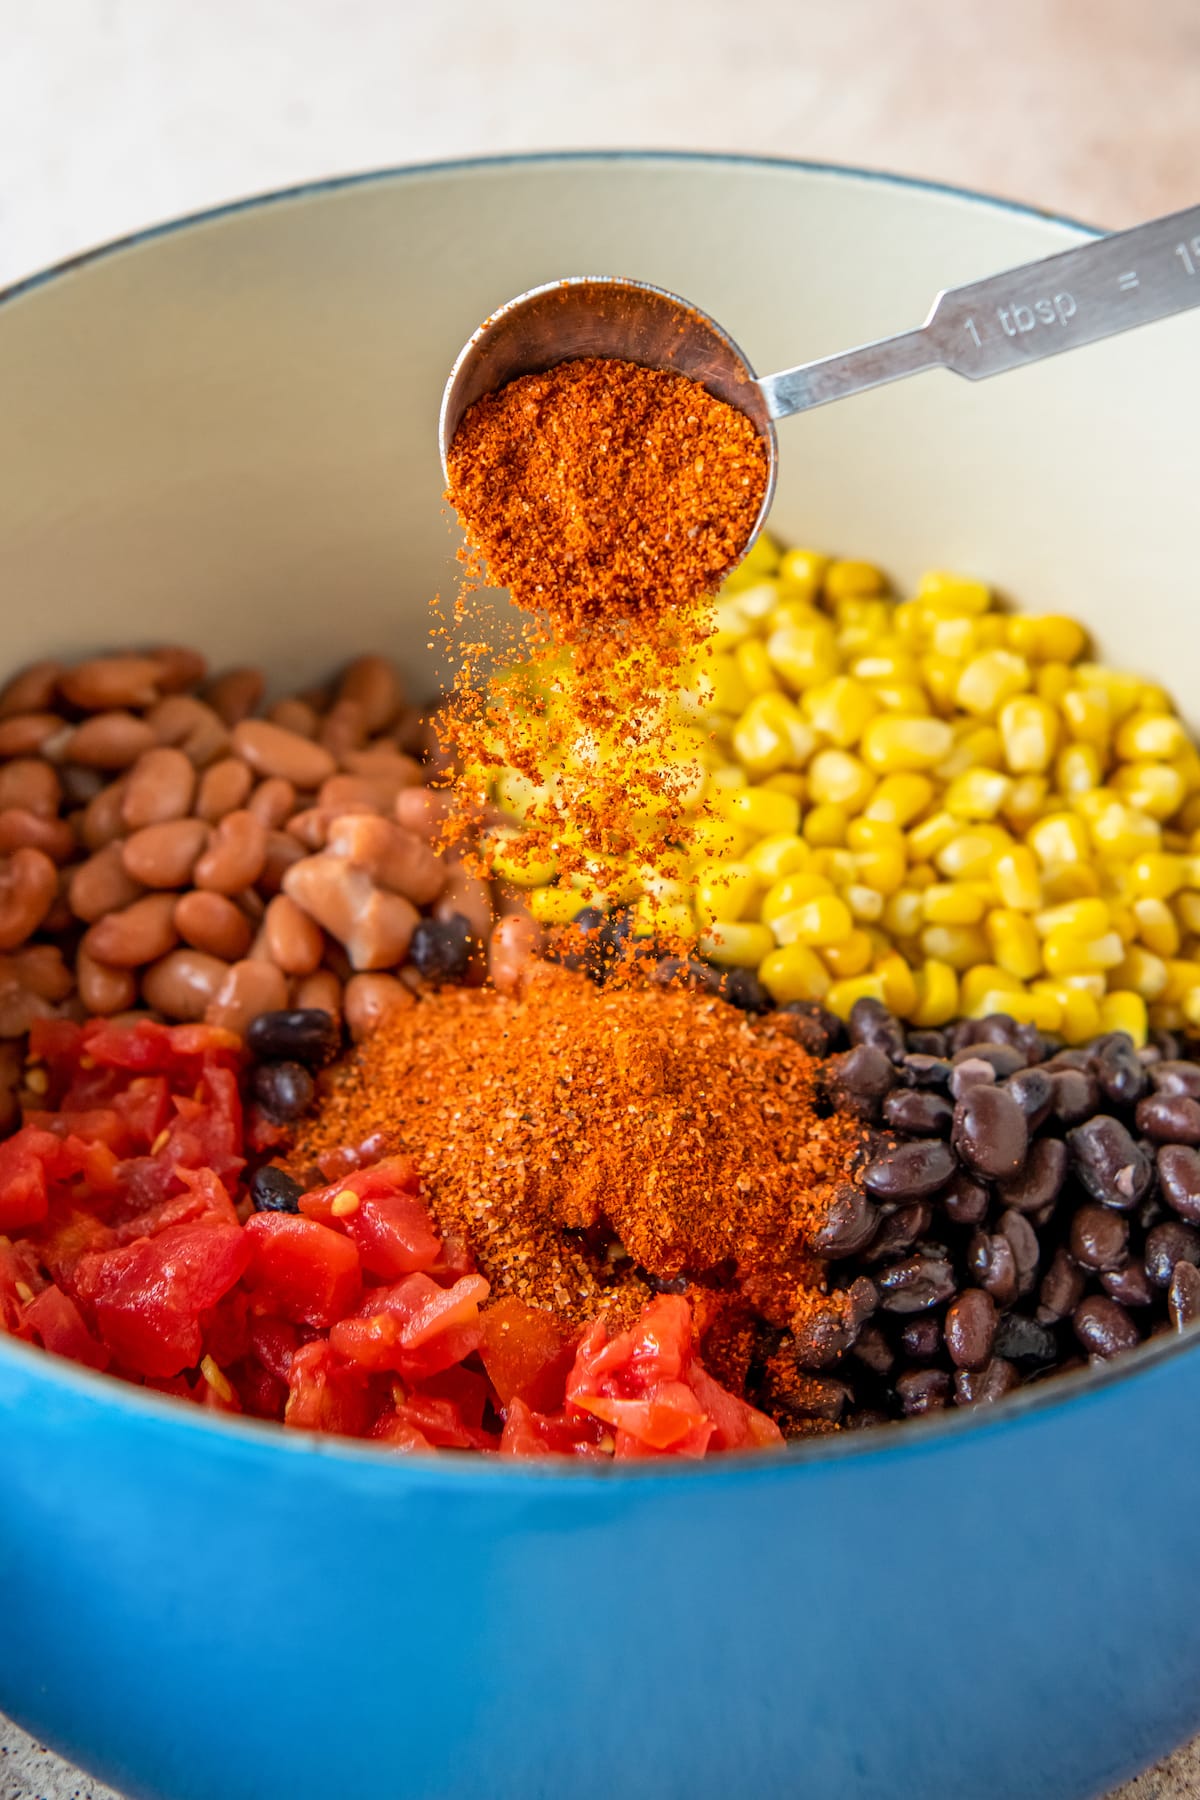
<point>1058,303</point>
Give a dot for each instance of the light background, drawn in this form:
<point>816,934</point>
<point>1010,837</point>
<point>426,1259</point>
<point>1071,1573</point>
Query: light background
<point>115,114</point>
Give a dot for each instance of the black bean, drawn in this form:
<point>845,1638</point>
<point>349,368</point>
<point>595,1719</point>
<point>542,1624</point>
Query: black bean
<point>921,1338</point>
<point>441,948</point>
<point>995,1028</point>
<point>927,1043</point>
<point>923,1391</point>
<point>874,1351</point>
<point>1179,1180</point>
<point>1033,1091</point>
<point>1040,1181</point>
<point>1005,1059</point>
<point>1167,1244</point>
<point>1183,1295</point>
<point>1170,1118</point>
<point>296,1034</point>
<point>971,1328</point>
<point>992,1263</point>
<point>1024,1341</point>
<point>910,1171</point>
<point>1079,1059</point>
<point>1109,1163</point>
<point>1099,1237</point>
<point>1167,1044</point>
<point>1025,1248</point>
<point>926,1071</point>
<point>966,1201</point>
<point>1062,1289</point>
<point>980,1387</point>
<point>918,1112</point>
<point>284,1090</point>
<point>849,1224</point>
<point>872,1023</point>
<point>859,1301</point>
<point>743,989</point>
<point>274,1190</point>
<point>991,1133</point>
<point>1103,1326</point>
<point>1122,1076</point>
<point>860,1078</point>
<point>1076,1095</point>
<point>973,1072</point>
<point>1130,1285</point>
<point>821,1339</point>
<point>815,1030</point>
<point>899,1231</point>
<point>915,1284</point>
<point>1033,1042</point>
<point>1176,1077</point>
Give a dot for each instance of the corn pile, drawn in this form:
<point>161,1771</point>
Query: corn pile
<point>926,801</point>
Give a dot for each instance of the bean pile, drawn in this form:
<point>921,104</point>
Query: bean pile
<point>164,849</point>
<point>1026,1206</point>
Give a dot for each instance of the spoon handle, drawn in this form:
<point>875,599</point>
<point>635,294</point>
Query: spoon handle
<point>1076,297</point>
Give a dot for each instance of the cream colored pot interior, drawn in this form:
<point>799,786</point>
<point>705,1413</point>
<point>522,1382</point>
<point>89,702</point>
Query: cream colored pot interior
<point>225,434</point>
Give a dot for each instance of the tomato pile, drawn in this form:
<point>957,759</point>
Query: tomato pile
<point>130,1247</point>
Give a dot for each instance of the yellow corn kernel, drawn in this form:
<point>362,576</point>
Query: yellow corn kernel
<point>823,920</point>
<point>937,994</point>
<point>952,903</point>
<point>1186,907</point>
<point>920,876</point>
<point>763,556</point>
<point>506,860</point>
<point>757,599</point>
<point>793,612</point>
<point>727,688</point>
<point>726,891</point>
<point>1085,918</point>
<point>1052,681</point>
<point>956,637</point>
<point>723,778</point>
<point>1123,921</point>
<point>661,916</point>
<point>941,676</point>
<point>794,972</point>
<point>1142,972</point>
<point>1157,926</point>
<point>754,666</point>
<point>1191,1008</point>
<point>991,679</point>
<point>730,625</point>
<point>554,905</point>
<point>764,811</point>
<point>1043,1011</point>
<point>1154,699</point>
<point>1153,788</point>
<point>1029,732</point>
<point>977,794</point>
<point>959,945</point>
<point>1183,974</point>
<point>842,995</point>
<point>1017,879</point>
<point>1188,764</point>
<point>865,903</point>
<point>792,891</point>
<point>982,981</point>
<point>861,623</point>
<point>1065,953</point>
<point>1089,715</point>
<point>848,580</point>
<point>942,591</point>
<point>771,735</point>
<point>906,697</point>
<point>895,742</point>
<point>851,957</point>
<point>786,781</point>
<point>880,853</point>
<point>1167,1018</point>
<point>802,572</point>
<point>978,747</point>
<point>1123,1010</point>
<point>712,840</point>
<point>899,984</point>
<point>773,857</point>
<point>1070,881</point>
<point>1125,692</point>
<point>904,912</point>
<point>804,655</point>
<point>840,710</point>
<point>1119,831</point>
<point>736,945</point>
<point>968,856</point>
<point>1078,769</point>
<point>1046,637</point>
<point>824,827</point>
<point>884,662</point>
<point>1080,1011</point>
<point>1015,944</point>
<point>899,799</point>
<point>932,835</point>
<point>1151,735</point>
<point>839,778</point>
<point>1059,838</point>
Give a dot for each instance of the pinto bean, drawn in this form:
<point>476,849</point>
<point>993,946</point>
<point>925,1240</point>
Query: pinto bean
<point>356,793</point>
<point>282,852</point>
<point>21,829</point>
<point>373,926</point>
<point>109,740</point>
<point>25,733</point>
<point>235,856</point>
<point>160,787</point>
<point>28,889</point>
<point>295,715</point>
<point>372,998</point>
<point>179,667</point>
<point>105,682</point>
<point>374,683</point>
<point>321,992</point>
<point>247,989</point>
<point>183,984</point>
<point>140,933</point>
<point>212,923</point>
<point>293,941</point>
<point>270,750</point>
<point>31,783</point>
<point>393,857</point>
<point>30,690</point>
<point>102,988</point>
<point>343,730</point>
<point>234,695</point>
<point>468,896</point>
<point>101,885</point>
<point>512,946</point>
<point>422,810</point>
<point>273,801</point>
<point>164,856</point>
<point>224,788</point>
<point>183,721</point>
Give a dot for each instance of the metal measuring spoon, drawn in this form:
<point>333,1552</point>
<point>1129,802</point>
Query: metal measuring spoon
<point>1075,297</point>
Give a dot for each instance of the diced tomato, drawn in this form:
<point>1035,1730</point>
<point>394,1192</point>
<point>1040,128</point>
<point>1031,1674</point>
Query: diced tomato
<point>527,1433</point>
<point>274,1342</point>
<point>53,1320</point>
<point>736,1426</point>
<point>415,1328</point>
<point>147,1297</point>
<point>390,1224</point>
<point>438,1422</point>
<point>526,1351</point>
<point>145,1106</point>
<point>19,1278</point>
<point>325,1394</point>
<point>301,1268</point>
<point>470,1391</point>
<point>225,1328</point>
<point>264,1395</point>
<point>26,1159</point>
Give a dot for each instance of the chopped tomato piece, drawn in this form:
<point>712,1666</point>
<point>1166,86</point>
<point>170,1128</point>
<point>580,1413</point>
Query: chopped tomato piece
<point>147,1297</point>
<point>54,1320</point>
<point>325,1394</point>
<point>527,1433</point>
<point>301,1268</point>
<point>526,1352</point>
<point>390,1224</point>
<point>26,1159</point>
<point>415,1328</point>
